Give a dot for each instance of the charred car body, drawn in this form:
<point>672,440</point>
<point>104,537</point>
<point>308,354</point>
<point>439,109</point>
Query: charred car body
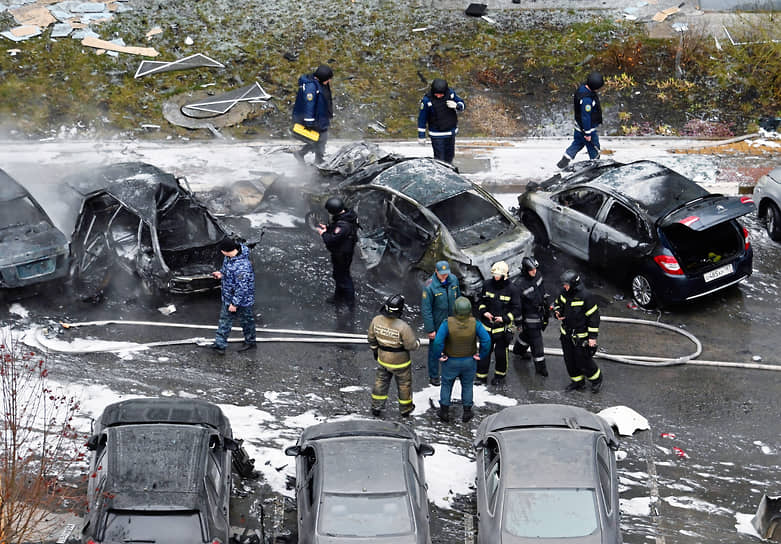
<point>669,238</point>
<point>160,471</point>
<point>144,220</point>
<point>564,488</point>
<point>414,212</point>
<point>767,195</point>
<point>32,249</point>
<point>361,481</point>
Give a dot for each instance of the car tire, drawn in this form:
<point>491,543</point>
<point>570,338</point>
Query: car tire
<point>534,224</point>
<point>773,222</point>
<point>643,291</point>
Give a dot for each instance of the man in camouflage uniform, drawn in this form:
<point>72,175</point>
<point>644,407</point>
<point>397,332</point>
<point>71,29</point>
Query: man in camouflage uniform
<point>391,340</point>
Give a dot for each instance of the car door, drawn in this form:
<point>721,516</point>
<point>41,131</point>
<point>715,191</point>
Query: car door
<point>489,490</point>
<point>573,217</point>
<point>408,230</point>
<point>608,483</point>
<point>619,238</point>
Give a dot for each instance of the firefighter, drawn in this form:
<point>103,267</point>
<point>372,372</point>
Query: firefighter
<point>455,346</point>
<point>497,309</point>
<point>340,237</point>
<point>534,314</point>
<point>391,340</point>
<point>578,313</point>
<point>588,115</point>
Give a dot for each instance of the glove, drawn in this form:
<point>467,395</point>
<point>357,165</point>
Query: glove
<point>451,104</point>
<point>592,350</point>
<point>422,141</point>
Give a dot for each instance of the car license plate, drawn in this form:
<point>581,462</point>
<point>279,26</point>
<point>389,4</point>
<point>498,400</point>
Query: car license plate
<point>718,273</point>
<point>37,268</point>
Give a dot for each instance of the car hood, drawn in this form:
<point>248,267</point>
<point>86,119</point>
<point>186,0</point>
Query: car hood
<point>595,538</point>
<point>704,213</point>
<point>29,243</point>
<point>154,501</point>
<point>510,247</point>
<point>404,539</point>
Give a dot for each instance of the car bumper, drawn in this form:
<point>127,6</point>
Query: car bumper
<point>36,271</point>
<point>199,283</point>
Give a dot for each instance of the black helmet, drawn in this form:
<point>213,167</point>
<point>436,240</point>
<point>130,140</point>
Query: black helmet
<point>334,205</point>
<point>595,81</point>
<point>529,263</point>
<point>323,73</point>
<point>571,278</point>
<point>462,307</point>
<point>393,306</point>
<point>438,86</point>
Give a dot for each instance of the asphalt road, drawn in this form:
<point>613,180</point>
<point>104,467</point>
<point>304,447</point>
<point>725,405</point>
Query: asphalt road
<point>727,421</point>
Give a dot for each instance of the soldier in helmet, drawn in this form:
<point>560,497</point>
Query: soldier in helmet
<point>497,310</point>
<point>340,237</point>
<point>588,115</point>
<point>578,313</point>
<point>534,314</point>
<point>456,345</point>
<point>391,339</point>
<point>438,111</point>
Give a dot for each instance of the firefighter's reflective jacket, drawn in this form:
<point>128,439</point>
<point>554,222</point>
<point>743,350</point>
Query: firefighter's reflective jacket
<point>394,339</point>
<point>499,298</point>
<point>534,301</point>
<point>580,311</point>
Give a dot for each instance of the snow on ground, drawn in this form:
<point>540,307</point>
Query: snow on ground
<point>448,474</point>
<point>626,420</point>
<point>743,524</point>
<point>638,506</point>
<point>18,309</point>
<point>481,396</point>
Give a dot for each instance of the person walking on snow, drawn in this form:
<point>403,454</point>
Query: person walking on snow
<point>438,110</point>
<point>314,108</point>
<point>340,237</point>
<point>588,115</point>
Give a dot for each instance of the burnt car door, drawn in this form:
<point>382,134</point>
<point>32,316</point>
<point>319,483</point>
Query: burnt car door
<point>409,232</point>
<point>619,238</point>
<point>489,490</point>
<point>574,216</point>
<point>608,485</point>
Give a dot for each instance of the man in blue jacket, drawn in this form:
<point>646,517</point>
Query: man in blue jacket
<point>238,295</point>
<point>314,109</point>
<point>438,110</point>
<point>588,115</point>
<point>437,303</point>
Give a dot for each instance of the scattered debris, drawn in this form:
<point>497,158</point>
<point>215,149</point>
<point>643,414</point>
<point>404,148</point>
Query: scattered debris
<point>220,105</point>
<point>188,41</point>
<point>476,10</point>
<point>154,32</point>
<point>149,126</point>
<point>680,453</point>
<point>61,30</point>
<point>623,418</point>
<point>90,41</point>
<point>167,310</point>
<point>421,29</point>
<point>662,15</point>
<point>13,52</point>
<point>487,19</point>
<point>767,520</point>
<point>667,435</point>
<point>197,60</point>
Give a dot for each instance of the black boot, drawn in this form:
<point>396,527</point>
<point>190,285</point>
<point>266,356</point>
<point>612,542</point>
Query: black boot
<point>596,385</point>
<point>575,386</point>
<point>540,368</point>
<point>444,413</point>
<point>481,381</point>
<point>497,380</point>
<point>468,414</point>
<point>563,162</point>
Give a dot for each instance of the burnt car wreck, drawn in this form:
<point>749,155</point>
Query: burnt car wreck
<point>137,218</point>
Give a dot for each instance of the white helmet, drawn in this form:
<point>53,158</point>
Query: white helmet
<point>500,268</point>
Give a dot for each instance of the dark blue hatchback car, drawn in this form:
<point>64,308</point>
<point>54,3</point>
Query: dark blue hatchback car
<point>668,238</point>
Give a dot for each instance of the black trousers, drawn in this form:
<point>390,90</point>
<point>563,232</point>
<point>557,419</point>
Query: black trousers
<point>444,148</point>
<point>500,341</point>
<point>531,338</point>
<point>578,360</point>
<point>318,147</point>
<point>344,292</point>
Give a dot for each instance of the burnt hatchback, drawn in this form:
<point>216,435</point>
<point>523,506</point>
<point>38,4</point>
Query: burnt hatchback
<point>668,238</point>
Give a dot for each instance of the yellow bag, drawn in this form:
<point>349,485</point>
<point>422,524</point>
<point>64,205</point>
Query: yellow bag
<point>306,134</point>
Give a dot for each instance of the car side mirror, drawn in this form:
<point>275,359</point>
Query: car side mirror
<point>426,450</point>
<point>479,445</point>
<point>293,451</point>
<point>92,443</point>
<point>231,444</point>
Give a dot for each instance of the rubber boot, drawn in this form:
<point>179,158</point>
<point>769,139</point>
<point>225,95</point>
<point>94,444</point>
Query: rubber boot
<point>563,162</point>
<point>497,380</point>
<point>444,414</point>
<point>596,385</point>
<point>468,414</point>
<point>540,368</point>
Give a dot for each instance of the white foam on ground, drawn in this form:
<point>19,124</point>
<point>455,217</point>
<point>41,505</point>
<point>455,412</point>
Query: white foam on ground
<point>626,420</point>
<point>448,474</point>
<point>743,524</point>
<point>481,394</point>
<point>18,309</point>
<point>638,506</point>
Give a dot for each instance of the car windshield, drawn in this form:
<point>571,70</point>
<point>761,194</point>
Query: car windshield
<point>537,513</point>
<point>168,527</point>
<point>186,225</point>
<point>20,211</point>
<point>372,515</point>
<point>471,219</point>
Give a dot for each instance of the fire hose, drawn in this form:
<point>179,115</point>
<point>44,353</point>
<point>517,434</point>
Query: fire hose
<point>302,336</point>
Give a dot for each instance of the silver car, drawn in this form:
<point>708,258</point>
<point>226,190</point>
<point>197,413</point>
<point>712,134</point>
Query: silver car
<point>767,196</point>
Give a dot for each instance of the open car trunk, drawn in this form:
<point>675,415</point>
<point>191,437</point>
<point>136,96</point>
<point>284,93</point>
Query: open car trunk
<point>699,251</point>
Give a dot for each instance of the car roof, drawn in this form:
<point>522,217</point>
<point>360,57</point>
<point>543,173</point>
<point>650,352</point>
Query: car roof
<point>358,428</point>
<point>10,189</point>
<point>425,180</point>
<point>548,457</point>
<point>165,410</point>
<point>545,415</point>
<point>363,465</point>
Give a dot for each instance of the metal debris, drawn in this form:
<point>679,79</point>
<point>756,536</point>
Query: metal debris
<point>220,105</point>
<point>193,61</point>
<point>89,41</point>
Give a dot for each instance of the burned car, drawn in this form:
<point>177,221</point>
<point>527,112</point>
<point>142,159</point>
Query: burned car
<point>32,249</point>
<point>361,481</point>
<point>767,195</point>
<point>416,211</point>
<point>136,217</point>
<point>668,238</point>
<point>160,471</point>
<point>546,472</point>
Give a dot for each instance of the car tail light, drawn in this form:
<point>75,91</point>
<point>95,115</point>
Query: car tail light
<point>746,200</point>
<point>216,541</point>
<point>746,238</point>
<point>90,541</point>
<point>669,264</point>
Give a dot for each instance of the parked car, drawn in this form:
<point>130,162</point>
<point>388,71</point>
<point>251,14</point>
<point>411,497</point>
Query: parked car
<point>32,249</point>
<point>160,471</point>
<point>767,195</point>
<point>136,217</point>
<point>667,237</point>
<point>416,211</point>
<point>546,472</point>
<point>361,481</point>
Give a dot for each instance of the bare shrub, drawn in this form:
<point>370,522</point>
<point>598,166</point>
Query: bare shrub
<point>487,117</point>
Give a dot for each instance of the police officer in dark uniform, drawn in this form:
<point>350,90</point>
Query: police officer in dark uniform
<point>534,314</point>
<point>438,110</point>
<point>578,313</point>
<point>340,237</point>
<point>588,115</point>
<point>497,309</point>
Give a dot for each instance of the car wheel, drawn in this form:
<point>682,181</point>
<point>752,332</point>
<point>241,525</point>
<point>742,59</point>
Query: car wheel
<point>534,224</point>
<point>773,224</point>
<point>642,291</point>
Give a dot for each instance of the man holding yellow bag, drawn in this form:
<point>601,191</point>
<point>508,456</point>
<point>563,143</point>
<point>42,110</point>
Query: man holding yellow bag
<point>312,112</point>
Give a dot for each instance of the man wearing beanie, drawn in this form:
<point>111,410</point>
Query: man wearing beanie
<point>438,110</point>
<point>314,109</point>
<point>238,295</point>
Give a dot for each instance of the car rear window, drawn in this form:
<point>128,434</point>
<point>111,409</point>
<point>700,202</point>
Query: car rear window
<point>537,513</point>
<point>372,515</point>
<point>18,212</point>
<point>168,527</point>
